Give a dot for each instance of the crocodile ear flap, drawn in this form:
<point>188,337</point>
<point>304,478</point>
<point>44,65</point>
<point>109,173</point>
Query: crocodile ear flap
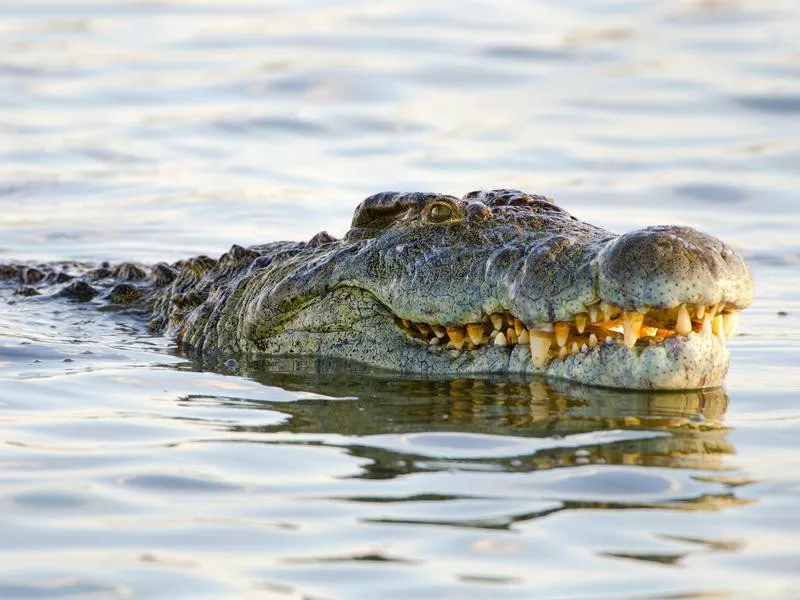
<point>381,210</point>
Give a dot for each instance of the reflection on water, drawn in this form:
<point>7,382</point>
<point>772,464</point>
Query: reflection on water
<point>690,421</point>
<point>153,131</point>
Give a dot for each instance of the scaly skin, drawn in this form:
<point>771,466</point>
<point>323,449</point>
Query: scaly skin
<point>440,261</point>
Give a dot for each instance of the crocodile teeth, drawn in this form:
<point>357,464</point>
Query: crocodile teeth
<point>580,322</point>
<point>610,310</point>
<point>475,332</point>
<point>593,313</point>
<point>562,332</point>
<point>729,322</point>
<point>518,327</point>
<point>511,334</point>
<point>456,336</point>
<point>684,323</point>
<point>540,348</point>
<point>631,326</point>
<point>570,337</point>
<point>717,326</point>
<point>497,321</point>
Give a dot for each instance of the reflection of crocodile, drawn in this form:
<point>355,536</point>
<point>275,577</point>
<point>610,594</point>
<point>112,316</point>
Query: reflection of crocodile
<point>500,281</point>
<point>686,426</point>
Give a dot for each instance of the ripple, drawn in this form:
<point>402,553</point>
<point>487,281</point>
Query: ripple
<point>66,588</point>
<point>166,483</point>
<point>771,104</point>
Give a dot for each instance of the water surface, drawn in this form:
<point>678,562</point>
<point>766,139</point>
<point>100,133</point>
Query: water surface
<point>157,130</point>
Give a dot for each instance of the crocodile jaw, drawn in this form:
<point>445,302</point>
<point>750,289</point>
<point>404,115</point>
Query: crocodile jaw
<point>369,333</point>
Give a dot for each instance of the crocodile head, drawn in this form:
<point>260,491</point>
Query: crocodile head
<point>496,282</point>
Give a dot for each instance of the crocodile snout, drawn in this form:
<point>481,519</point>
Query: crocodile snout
<point>664,266</point>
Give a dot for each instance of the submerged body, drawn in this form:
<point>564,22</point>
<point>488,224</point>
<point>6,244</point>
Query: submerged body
<point>496,282</point>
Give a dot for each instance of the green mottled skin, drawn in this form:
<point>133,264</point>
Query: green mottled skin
<point>498,251</point>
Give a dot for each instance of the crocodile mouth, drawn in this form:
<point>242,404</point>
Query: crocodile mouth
<point>602,324</point>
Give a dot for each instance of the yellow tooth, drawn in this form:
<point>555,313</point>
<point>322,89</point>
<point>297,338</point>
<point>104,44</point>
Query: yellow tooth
<point>729,322</point>
<point>562,332</point>
<point>701,311</point>
<point>575,349</point>
<point>540,348</point>
<point>406,323</point>
<point>718,326</point>
<point>684,323</point>
<point>707,318</point>
<point>524,337</point>
<point>439,331</point>
<point>610,310</point>
<point>456,336</point>
<point>500,340</point>
<point>648,331</point>
<point>631,327</point>
<point>562,352</point>
<point>593,313</point>
<point>584,348</point>
<point>475,332</point>
<point>423,329</point>
<point>434,341</point>
<point>511,335</point>
<point>592,339</point>
<point>518,326</point>
<point>497,321</point>
<point>580,321</point>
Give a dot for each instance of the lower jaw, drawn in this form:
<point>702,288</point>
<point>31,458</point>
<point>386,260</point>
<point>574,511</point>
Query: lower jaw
<point>694,361</point>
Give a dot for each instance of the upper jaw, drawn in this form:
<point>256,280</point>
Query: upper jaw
<point>665,266</point>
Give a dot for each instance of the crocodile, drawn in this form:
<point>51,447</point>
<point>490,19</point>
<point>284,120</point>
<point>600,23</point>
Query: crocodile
<point>498,281</point>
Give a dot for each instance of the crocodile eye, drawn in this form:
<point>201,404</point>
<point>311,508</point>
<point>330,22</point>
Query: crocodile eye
<point>440,212</point>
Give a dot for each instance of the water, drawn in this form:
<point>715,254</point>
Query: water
<point>157,130</point>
